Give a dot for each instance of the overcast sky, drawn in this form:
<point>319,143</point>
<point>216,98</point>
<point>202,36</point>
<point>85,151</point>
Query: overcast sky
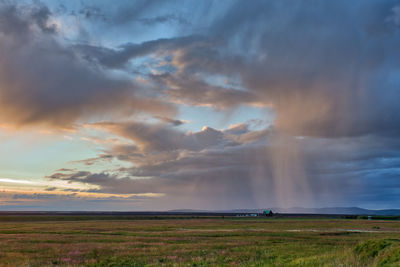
<point>157,105</point>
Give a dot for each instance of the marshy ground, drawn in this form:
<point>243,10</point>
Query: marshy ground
<point>173,241</point>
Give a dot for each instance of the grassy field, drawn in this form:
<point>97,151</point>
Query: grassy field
<point>77,241</point>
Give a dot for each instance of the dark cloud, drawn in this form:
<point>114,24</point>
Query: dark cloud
<point>118,58</point>
<point>147,13</point>
<point>91,161</point>
<point>169,18</point>
<point>171,121</point>
<point>160,137</point>
<point>65,170</point>
<point>91,12</point>
<point>34,16</point>
<point>240,167</point>
<point>184,84</point>
<point>327,71</point>
<point>321,69</point>
<point>51,188</point>
<point>129,11</point>
<point>37,196</point>
<point>196,92</point>
<point>43,80</point>
<point>282,171</point>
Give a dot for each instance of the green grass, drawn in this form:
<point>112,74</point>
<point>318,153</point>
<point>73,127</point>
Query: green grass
<point>199,242</point>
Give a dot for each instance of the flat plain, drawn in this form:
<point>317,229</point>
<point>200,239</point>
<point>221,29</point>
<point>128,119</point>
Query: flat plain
<point>187,241</point>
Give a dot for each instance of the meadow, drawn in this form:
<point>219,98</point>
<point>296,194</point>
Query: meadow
<point>186,241</point>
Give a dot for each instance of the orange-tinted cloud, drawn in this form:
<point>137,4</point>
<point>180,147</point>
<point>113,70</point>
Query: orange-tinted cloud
<point>44,81</point>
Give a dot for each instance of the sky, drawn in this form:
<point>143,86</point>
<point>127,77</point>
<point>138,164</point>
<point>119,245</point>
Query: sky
<point>159,105</point>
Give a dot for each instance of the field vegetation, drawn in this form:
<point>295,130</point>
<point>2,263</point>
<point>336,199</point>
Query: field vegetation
<point>186,241</point>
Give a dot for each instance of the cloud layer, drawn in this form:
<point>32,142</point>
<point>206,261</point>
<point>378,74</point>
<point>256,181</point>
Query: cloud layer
<point>43,79</point>
<point>327,72</point>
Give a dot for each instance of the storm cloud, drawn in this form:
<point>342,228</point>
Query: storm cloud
<point>322,67</point>
<point>241,167</point>
<point>144,76</point>
<point>42,79</point>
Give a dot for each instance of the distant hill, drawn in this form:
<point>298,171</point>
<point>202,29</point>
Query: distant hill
<point>301,210</point>
<point>341,210</point>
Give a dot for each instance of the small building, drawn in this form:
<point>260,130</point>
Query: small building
<point>268,213</point>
